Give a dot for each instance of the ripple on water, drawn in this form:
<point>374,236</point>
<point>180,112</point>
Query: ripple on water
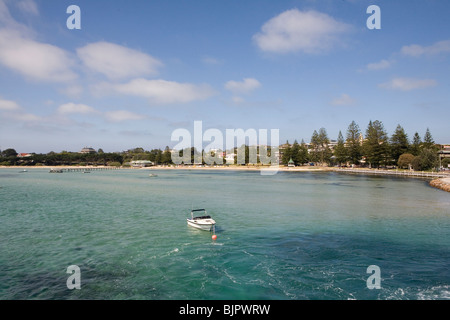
<point>291,236</point>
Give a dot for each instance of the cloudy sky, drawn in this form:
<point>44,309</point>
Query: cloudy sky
<point>137,70</point>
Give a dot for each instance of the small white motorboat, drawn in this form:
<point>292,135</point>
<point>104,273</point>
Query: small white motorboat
<point>201,221</point>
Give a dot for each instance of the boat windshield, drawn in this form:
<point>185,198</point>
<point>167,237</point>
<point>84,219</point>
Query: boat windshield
<point>201,214</point>
<point>203,217</point>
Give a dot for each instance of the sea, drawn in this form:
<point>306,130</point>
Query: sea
<point>287,236</point>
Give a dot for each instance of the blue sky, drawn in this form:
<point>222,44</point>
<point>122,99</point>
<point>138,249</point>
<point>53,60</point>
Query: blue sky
<point>137,70</point>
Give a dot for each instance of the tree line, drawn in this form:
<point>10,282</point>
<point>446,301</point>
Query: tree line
<point>373,148</point>
<point>10,157</point>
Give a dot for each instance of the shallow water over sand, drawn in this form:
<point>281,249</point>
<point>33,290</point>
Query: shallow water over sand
<point>293,235</point>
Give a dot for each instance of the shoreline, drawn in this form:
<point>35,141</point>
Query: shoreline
<point>412,174</point>
<point>240,168</point>
<point>442,183</point>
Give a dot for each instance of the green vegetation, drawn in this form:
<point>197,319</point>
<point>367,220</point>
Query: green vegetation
<point>354,143</point>
<point>375,145</point>
<point>405,161</point>
<point>446,162</point>
<point>341,152</point>
<point>375,149</point>
<point>10,157</point>
<point>399,143</point>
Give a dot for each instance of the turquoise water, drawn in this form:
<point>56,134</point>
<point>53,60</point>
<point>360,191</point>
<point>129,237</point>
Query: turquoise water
<point>289,236</point>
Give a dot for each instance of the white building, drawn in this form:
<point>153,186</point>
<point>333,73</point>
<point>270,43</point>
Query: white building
<point>88,150</point>
<point>229,159</point>
<point>141,163</point>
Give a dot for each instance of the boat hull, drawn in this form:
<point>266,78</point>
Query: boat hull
<point>205,225</point>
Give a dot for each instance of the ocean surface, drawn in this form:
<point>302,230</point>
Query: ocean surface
<point>293,235</point>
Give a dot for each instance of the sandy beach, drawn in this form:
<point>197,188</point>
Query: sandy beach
<point>243,168</point>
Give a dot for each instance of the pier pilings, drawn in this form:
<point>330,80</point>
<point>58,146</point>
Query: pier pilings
<point>82,169</point>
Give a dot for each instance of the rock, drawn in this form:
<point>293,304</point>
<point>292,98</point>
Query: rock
<point>443,184</point>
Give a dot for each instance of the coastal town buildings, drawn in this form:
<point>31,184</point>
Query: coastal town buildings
<point>24,155</point>
<point>444,154</point>
<point>141,163</point>
<point>88,150</point>
<point>445,151</point>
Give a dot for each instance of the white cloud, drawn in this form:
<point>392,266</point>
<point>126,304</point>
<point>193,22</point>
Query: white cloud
<point>28,6</point>
<point>111,116</point>
<point>242,87</point>
<point>237,100</point>
<point>343,100</point>
<point>36,60</point>
<point>33,59</point>
<point>7,21</point>
<point>61,118</point>
<point>408,84</point>
<point>122,115</point>
<point>416,50</point>
<point>300,31</point>
<point>25,117</point>
<point>13,111</point>
<point>383,64</point>
<point>73,91</point>
<point>117,62</point>
<point>211,61</point>
<point>413,50</point>
<point>71,107</point>
<point>9,105</point>
<point>160,91</point>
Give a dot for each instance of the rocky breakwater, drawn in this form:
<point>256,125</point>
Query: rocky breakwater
<point>442,183</point>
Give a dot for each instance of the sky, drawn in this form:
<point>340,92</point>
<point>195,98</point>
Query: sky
<point>138,70</point>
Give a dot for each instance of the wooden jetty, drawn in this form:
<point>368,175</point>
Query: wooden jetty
<point>82,169</point>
